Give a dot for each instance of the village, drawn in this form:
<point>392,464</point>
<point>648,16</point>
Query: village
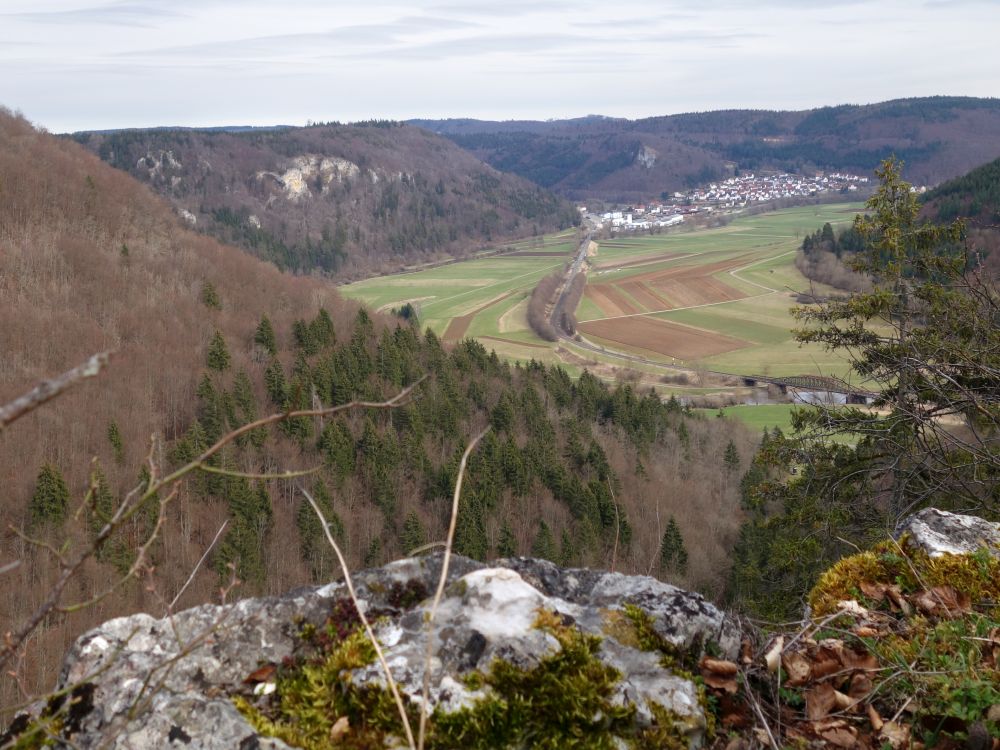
<point>727,195</point>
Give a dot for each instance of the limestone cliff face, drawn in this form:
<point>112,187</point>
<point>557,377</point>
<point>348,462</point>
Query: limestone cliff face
<point>170,682</point>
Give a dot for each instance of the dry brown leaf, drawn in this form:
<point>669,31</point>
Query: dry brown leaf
<point>340,727</point>
<point>762,737</point>
<point>824,667</point>
<point>772,657</point>
<point>840,737</point>
<point>719,674</point>
<point>861,685</point>
<point>897,735</point>
<point>874,591</point>
<point>797,667</point>
<point>261,674</point>
<point>842,701</point>
<point>836,732</point>
<point>746,652</point>
<point>718,666</point>
<point>852,659</point>
<point>820,700</point>
<point>942,601</point>
<point>874,718</point>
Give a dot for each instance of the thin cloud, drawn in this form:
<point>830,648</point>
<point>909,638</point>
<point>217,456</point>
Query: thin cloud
<point>114,14</point>
<point>361,35</point>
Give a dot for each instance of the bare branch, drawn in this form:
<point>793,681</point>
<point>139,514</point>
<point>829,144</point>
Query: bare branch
<point>364,620</point>
<point>14,565</point>
<point>198,566</point>
<point>441,584</point>
<point>49,389</point>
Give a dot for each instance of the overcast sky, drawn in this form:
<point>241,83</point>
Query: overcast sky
<point>86,64</point>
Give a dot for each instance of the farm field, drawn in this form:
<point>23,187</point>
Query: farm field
<point>485,298</point>
<point>715,299</point>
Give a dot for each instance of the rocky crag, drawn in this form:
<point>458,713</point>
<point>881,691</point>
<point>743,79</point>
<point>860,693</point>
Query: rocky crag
<point>526,654</point>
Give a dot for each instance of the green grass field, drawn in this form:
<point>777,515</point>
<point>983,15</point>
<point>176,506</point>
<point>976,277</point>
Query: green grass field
<point>493,289</point>
<point>757,256</point>
<point>488,295</point>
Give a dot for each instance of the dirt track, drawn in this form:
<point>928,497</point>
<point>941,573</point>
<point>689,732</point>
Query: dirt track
<point>672,339</point>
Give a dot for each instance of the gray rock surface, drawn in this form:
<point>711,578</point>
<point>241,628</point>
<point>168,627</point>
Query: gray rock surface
<point>166,682</point>
<point>939,532</point>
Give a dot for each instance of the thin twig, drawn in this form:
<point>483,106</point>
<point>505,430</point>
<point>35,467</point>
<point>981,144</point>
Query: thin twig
<point>614,551</point>
<point>10,566</point>
<point>49,389</point>
<point>198,566</point>
<point>761,718</point>
<point>446,559</point>
<point>364,620</point>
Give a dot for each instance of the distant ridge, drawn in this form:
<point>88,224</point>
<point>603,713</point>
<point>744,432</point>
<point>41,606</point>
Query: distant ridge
<point>938,137</point>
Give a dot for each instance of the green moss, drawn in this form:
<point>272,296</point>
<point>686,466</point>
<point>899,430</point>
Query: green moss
<point>666,734</point>
<point>942,668</point>
<point>977,575</point>
<point>32,734</point>
<point>562,702</point>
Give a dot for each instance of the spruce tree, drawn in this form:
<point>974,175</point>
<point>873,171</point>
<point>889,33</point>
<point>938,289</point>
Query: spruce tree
<point>374,552</point>
<point>731,458</point>
<point>117,444</point>
<point>544,546</point>
<point>50,500</point>
<point>264,336</point>
<point>274,382</point>
<point>673,555</point>
<point>507,544</point>
<point>218,358</point>
<point>413,535</point>
<point>314,546</point>
<point>209,296</point>
<point>100,510</point>
<point>470,530</point>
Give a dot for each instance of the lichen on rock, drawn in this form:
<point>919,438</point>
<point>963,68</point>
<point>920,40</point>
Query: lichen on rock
<point>505,635</point>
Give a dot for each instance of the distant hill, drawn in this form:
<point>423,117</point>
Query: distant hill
<point>974,197</point>
<point>345,199</point>
<point>618,159</point>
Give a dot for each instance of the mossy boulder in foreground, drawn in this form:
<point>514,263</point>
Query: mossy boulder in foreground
<point>525,654</point>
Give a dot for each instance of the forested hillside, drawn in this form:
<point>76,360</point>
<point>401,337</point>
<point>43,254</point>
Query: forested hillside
<point>207,339</point>
<point>975,198</point>
<point>619,159</point>
<point>344,199</point>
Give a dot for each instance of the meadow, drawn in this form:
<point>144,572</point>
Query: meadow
<point>714,299</point>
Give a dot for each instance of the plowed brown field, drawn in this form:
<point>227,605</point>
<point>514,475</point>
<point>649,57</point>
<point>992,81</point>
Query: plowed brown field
<point>610,300</point>
<point>672,339</point>
<point>667,289</point>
